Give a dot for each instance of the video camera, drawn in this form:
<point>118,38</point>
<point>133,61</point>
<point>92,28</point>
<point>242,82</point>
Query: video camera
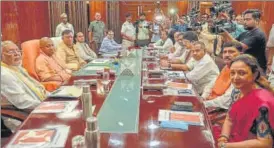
<point>194,24</point>
<point>222,7</point>
<point>220,25</point>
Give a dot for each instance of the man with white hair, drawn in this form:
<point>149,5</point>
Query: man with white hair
<point>96,32</point>
<point>64,25</point>
<point>18,89</point>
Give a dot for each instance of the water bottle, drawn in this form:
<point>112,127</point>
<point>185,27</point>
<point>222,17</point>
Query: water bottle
<point>86,99</point>
<point>105,79</point>
<point>92,135</point>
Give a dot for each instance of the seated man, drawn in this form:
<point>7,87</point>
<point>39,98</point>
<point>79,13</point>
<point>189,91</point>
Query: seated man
<point>108,44</point>
<point>218,93</point>
<point>67,52</point>
<point>176,50</point>
<point>84,50</point>
<point>18,88</point>
<point>202,69</point>
<point>186,39</point>
<point>48,67</point>
<point>164,43</point>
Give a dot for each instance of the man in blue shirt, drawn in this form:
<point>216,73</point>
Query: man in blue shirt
<point>108,44</point>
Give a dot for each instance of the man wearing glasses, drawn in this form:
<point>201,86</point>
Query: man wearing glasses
<point>18,89</point>
<point>109,44</point>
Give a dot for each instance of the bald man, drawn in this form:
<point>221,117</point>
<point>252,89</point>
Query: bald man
<point>48,67</point>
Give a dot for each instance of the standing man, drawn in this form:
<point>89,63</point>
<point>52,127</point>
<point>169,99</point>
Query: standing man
<point>253,41</point>
<point>142,31</point>
<point>84,50</point>
<point>128,32</point>
<point>96,32</point>
<point>64,25</point>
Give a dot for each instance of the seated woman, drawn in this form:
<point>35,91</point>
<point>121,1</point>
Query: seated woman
<point>250,120</point>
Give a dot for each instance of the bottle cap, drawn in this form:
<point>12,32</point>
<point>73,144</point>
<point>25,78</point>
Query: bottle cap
<point>91,123</point>
<point>86,89</point>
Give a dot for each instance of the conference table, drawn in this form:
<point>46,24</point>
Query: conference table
<point>127,122</point>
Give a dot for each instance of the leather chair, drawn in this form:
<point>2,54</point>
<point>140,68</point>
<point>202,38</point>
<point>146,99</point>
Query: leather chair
<point>31,51</point>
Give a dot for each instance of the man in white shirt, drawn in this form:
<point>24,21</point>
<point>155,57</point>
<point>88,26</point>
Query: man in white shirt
<point>165,44</point>
<point>128,32</point>
<point>84,50</point>
<point>64,25</point>
<point>177,50</point>
<point>18,88</point>
<point>202,69</point>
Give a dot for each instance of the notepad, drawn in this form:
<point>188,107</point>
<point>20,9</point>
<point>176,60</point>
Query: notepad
<point>56,107</point>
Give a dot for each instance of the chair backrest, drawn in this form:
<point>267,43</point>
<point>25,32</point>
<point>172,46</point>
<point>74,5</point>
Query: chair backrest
<point>56,41</point>
<point>31,51</point>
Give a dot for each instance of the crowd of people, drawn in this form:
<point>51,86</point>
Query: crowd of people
<point>238,84</point>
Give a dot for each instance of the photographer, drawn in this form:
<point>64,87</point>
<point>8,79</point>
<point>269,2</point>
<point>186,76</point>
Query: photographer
<point>142,31</point>
<point>253,41</point>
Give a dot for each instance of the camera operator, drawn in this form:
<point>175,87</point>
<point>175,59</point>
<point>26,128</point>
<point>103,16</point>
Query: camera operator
<point>238,27</point>
<point>142,31</point>
<point>253,41</point>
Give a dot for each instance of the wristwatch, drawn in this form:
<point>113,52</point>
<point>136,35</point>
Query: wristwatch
<point>222,145</point>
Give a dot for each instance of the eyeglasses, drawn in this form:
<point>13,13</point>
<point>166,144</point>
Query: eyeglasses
<point>13,52</point>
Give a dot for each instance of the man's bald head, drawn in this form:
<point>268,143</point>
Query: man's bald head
<point>11,54</point>
<point>47,46</point>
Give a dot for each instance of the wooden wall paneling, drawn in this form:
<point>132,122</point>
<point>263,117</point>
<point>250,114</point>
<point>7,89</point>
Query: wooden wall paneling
<point>267,16</point>
<point>182,7</point>
<point>204,7</point>
<point>239,6</point>
<point>9,22</point>
<point>33,20</point>
<point>22,21</point>
<point>98,6</point>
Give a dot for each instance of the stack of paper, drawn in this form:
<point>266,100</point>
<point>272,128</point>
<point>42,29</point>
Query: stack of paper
<point>100,61</point>
<point>56,107</point>
<point>42,138</point>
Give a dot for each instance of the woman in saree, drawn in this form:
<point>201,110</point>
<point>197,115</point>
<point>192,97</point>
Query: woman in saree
<point>250,120</point>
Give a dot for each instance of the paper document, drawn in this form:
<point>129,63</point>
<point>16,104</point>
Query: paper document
<point>100,61</point>
<point>67,91</point>
<point>56,107</point>
<point>42,138</point>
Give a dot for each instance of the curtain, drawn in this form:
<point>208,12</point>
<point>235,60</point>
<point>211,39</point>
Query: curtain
<point>113,18</point>
<point>55,10</point>
<point>78,16</point>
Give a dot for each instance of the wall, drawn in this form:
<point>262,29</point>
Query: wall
<point>97,6</point>
<point>22,21</point>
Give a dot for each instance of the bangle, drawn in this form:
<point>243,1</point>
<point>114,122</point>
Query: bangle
<point>224,136</point>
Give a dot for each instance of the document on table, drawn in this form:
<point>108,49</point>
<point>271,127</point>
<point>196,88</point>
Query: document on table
<point>43,138</point>
<point>176,74</point>
<point>67,92</point>
<point>191,118</point>
<point>100,61</point>
<point>56,107</point>
<point>94,68</point>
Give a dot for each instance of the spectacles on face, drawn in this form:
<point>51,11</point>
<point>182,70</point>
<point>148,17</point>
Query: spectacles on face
<point>111,34</point>
<point>13,52</point>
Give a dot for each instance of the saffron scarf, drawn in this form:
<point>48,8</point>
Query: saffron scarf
<point>36,88</point>
<point>221,85</point>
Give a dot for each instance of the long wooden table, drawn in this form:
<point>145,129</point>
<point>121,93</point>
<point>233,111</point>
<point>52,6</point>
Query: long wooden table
<point>149,133</point>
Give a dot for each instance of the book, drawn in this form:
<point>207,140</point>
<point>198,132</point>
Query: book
<point>43,138</point>
<point>191,118</point>
<point>56,107</point>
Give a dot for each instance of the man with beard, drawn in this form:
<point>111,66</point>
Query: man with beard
<point>142,31</point>
<point>218,94</point>
<point>253,41</point>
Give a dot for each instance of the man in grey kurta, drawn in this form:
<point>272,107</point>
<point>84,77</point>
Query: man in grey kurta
<point>96,32</point>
